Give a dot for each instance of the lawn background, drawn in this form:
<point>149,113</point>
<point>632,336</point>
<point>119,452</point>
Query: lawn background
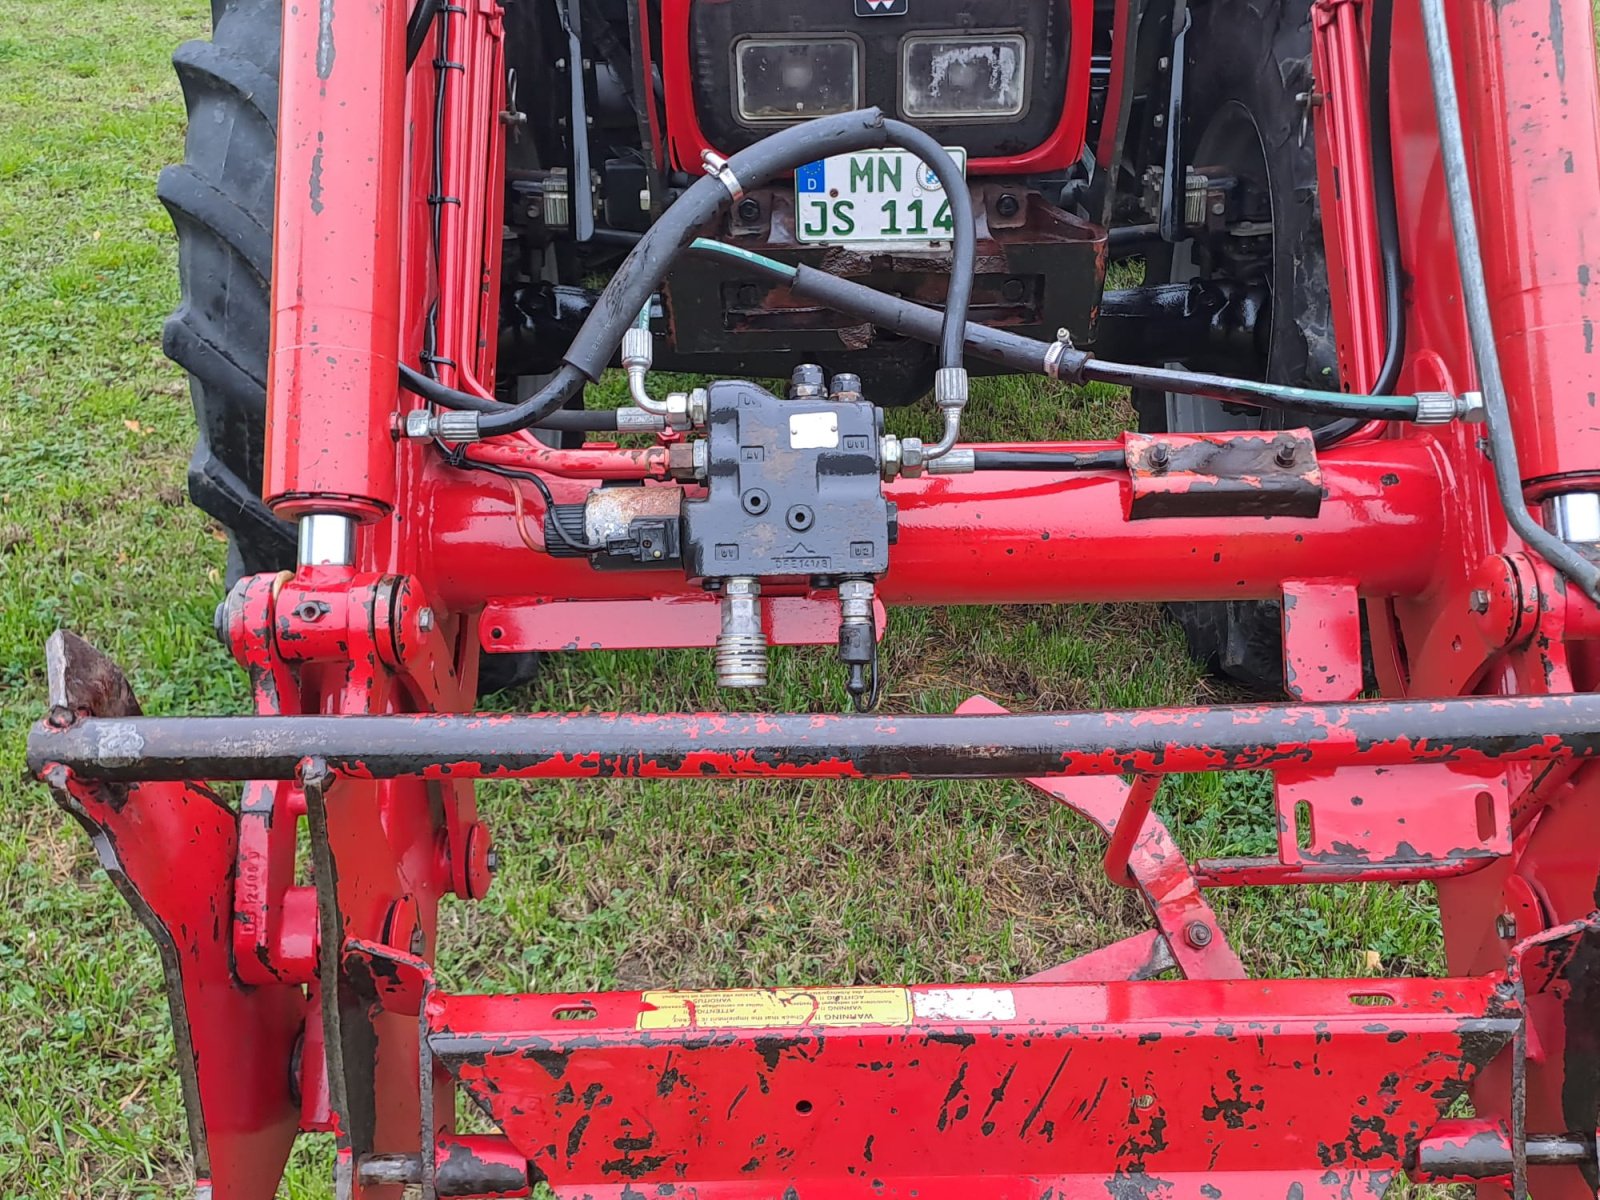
<point>607,884</point>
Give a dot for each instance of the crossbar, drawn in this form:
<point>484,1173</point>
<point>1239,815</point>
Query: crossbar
<point>1484,731</point>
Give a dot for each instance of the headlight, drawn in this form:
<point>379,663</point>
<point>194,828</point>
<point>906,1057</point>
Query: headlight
<point>787,79</point>
<point>945,77</point>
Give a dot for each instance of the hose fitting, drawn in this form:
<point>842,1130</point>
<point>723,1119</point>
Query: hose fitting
<point>950,391</point>
<point>638,352</point>
<point>741,653</point>
<point>858,642</point>
<point>1436,408</point>
<point>454,425</point>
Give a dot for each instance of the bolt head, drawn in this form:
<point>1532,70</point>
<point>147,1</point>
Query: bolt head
<point>1285,454</point>
<point>1197,934</point>
<point>699,408</point>
<point>1145,1100</point>
<point>889,456</point>
<point>1478,601</point>
<point>1505,926</point>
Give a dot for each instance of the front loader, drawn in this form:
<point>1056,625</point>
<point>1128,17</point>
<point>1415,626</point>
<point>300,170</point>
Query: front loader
<point>1361,248</point>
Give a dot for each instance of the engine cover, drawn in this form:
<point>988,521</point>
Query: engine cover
<point>793,489</point>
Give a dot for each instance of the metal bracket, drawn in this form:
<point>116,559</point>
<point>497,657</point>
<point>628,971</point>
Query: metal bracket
<point>1224,474</point>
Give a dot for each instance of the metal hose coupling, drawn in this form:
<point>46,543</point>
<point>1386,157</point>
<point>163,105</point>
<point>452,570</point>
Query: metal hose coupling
<point>950,393</point>
<point>1441,408</point>
<point>451,425</point>
<point>638,352</point>
<point>741,653</point>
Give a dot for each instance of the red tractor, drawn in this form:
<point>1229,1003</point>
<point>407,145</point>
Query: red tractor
<point>1363,357</point>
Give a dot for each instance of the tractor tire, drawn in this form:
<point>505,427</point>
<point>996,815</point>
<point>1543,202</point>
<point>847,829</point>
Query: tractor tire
<point>220,199</point>
<point>1249,68</point>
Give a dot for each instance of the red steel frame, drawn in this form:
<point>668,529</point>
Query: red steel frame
<point>309,1004</point>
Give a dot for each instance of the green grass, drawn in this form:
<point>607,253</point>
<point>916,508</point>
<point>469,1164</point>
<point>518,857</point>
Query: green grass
<point>603,884</point>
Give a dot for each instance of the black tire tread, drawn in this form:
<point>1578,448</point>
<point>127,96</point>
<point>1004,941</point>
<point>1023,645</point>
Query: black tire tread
<point>220,200</point>
<point>1258,53</point>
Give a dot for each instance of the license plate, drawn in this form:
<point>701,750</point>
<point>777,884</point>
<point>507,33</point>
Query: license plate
<point>873,196</point>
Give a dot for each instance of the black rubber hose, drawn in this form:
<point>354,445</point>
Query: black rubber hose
<point>581,420</point>
<point>1073,366</point>
<point>1381,142</point>
<point>641,273</point>
<point>894,315</point>
<point>562,420</point>
<point>552,397</point>
<point>1045,460</point>
<point>435,392</point>
<point>1246,391</point>
<point>417,27</point>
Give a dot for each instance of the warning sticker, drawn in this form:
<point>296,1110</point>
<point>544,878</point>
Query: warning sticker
<point>761,1008</point>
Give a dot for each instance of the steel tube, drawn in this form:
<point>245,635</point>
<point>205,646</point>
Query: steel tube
<point>741,745</point>
<point>1027,537</point>
<point>1485,1158</point>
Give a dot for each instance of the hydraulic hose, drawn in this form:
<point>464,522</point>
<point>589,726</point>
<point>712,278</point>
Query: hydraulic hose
<point>1046,460</point>
<point>1480,324</point>
<point>1381,142</point>
<point>1044,358</point>
<point>417,27</point>
<point>1249,391</point>
<point>562,420</point>
<point>581,420</point>
<point>642,272</point>
<point>435,392</point>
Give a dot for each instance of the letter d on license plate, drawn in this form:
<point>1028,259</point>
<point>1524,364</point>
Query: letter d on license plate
<point>873,196</point>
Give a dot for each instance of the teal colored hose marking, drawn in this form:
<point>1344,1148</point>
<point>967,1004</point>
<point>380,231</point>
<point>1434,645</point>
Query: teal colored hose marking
<point>1297,397</point>
<point>1291,397</point>
<point>749,256</point>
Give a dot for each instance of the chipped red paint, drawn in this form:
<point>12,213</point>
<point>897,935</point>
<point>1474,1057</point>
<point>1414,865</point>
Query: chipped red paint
<point>1322,639</point>
<point>1020,537</point>
<point>336,259</point>
<point>1282,1087</point>
<point>667,622</point>
<point>307,1000</point>
<point>1475,733</point>
<point>1223,474</point>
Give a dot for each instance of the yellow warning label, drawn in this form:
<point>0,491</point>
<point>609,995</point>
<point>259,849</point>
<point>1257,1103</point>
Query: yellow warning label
<point>761,1008</point>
